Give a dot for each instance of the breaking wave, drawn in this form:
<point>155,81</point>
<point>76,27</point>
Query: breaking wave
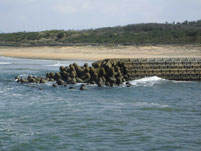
<point>57,64</point>
<point>148,81</point>
<point>4,63</point>
<point>150,105</point>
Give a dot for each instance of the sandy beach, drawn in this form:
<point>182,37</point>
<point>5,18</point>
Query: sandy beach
<point>100,52</point>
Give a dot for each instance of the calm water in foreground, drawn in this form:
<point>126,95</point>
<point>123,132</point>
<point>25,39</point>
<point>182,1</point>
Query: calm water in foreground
<point>152,115</point>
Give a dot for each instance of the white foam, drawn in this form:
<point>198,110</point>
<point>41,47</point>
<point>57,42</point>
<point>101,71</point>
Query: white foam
<point>23,75</point>
<point>148,81</point>
<point>146,104</point>
<point>3,63</point>
<point>57,64</point>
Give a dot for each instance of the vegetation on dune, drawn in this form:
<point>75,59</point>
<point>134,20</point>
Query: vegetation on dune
<point>136,34</point>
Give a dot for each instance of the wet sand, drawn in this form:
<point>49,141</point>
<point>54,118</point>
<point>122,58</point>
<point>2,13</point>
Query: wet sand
<point>100,52</point>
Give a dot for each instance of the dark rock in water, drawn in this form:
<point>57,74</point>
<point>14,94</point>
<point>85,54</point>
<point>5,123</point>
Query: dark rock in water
<point>119,81</point>
<point>79,80</point>
<point>43,81</point>
<point>71,88</point>
<point>65,85</point>
<point>17,78</point>
<point>32,80</point>
<point>112,79</point>
<point>51,79</point>
<point>24,80</point>
<point>62,68</point>
<point>52,74</point>
<point>86,65</point>
<point>69,79</point>
<point>128,85</point>
<point>92,82</point>
<point>29,77</point>
<point>100,84</point>
<point>83,87</point>
<point>54,85</point>
<point>107,84</point>
<point>48,75</point>
<point>107,72</point>
<point>73,81</point>
<point>57,76</point>
<point>60,82</point>
<point>73,74</point>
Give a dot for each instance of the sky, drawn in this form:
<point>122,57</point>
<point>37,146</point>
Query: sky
<point>39,15</point>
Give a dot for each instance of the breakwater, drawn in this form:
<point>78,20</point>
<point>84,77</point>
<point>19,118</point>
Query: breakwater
<point>182,69</point>
<point>111,72</point>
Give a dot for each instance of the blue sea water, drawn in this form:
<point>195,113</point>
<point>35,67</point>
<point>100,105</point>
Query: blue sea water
<point>152,115</point>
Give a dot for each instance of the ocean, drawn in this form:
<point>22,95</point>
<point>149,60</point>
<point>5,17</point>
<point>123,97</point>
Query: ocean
<point>153,114</point>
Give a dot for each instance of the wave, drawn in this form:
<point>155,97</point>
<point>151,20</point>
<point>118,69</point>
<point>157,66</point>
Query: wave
<point>6,58</point>
<point>150,105</point>
<point>148,81</point>
<point>4,63</point>
<point>23,75</point>
<point>57,64</point>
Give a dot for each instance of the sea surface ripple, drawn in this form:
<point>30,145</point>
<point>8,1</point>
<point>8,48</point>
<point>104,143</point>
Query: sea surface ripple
<point>153,114</point>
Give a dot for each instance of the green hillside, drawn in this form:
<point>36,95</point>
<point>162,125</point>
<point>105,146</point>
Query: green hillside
<point>135,34</point>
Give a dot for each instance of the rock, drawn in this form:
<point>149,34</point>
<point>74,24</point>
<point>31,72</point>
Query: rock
<point>60,82</point>
<point>107,83</point>
<point>96,64</point>
<point>43,81</point>
<point>102,72</point>
<point>73,81</point>
<point>54,85</point>
<point>32,80</point>
<point>73,74</point>
<point>86,65</point>
<point>52,74</point>
<point>29,77</point>
<point>83,87</point>
<point>71,88</point>
<point>17,77</point>
<point>65,85</point>
<point>51,79</point>
<point>119,81</point>
<point>92,82</point>
<point>128,85</point>
<point>79,80</point>
<point>24,80</point>
<point>68,79</point>
<point>62,68</point>
<point>72,68</point>
<point>100,84</point>
<point>67,68</point>
<point>64,74</point>
<point>57,76</point>
<point>112,79</point>
<point>48,75</point>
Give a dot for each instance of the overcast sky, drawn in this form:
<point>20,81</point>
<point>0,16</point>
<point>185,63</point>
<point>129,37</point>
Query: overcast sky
<point>37,15</point>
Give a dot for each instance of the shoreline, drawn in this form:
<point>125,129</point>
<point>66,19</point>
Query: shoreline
<point>94,53</point>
